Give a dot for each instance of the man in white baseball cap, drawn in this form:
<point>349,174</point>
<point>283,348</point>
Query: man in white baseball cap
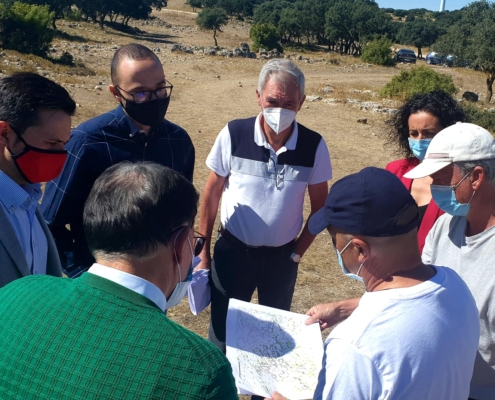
<point>461,162</point>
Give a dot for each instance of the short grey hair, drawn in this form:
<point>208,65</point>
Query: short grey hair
<point>488,166</point>
<point>282,71</point>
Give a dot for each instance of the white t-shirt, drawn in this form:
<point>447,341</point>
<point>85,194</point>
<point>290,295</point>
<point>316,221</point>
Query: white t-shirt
<point>473,258</point>
<point>265,208</point>
<point>416,343</point>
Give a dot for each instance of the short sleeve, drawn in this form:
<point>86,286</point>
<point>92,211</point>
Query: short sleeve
<point>322,169</point>
<point>427,254</point>
<point>347,374</point>
<point>219,158</point>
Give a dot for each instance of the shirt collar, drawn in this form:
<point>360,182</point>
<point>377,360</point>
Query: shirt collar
<point>131,282</point>
<point>260,139</point>
<point>126,124</point>
<point>14,196</point>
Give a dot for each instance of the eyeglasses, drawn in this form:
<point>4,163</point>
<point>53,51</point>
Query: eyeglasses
<point>199,243</point>
<point>454,187</point>
<point>144,96</point>
<point>199,240</point>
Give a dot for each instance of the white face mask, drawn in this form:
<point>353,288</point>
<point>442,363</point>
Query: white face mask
<point>180,289</point>
<point>279,119</point>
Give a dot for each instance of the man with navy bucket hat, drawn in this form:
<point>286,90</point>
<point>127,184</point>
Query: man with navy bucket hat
<point>414,333</point>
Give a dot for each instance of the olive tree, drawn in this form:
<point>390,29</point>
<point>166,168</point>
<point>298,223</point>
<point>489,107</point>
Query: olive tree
<point>212,19</point>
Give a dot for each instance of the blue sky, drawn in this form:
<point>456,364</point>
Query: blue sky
<point>433,5</point>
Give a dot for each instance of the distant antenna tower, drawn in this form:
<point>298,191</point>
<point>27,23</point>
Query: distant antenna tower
<point>442,5</point>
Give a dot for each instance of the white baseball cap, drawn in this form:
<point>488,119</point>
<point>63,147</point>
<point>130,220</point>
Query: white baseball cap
<point>456,143</point>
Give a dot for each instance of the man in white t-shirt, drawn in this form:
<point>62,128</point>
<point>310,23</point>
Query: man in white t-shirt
<point>261,167</point>
<point>415,331</point>
<point>461,161</point>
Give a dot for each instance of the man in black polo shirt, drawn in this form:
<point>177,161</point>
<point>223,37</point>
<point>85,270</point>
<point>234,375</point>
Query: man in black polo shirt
<point>135,131</point>
<point>261,168</point>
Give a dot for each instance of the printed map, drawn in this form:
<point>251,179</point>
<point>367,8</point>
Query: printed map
<point>273,350</point>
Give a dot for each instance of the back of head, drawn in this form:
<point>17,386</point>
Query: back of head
<point>132,51</point>
<point>133,207</point>
<point>372,202</point>
<point>284,72</point>
<point>24,95</point>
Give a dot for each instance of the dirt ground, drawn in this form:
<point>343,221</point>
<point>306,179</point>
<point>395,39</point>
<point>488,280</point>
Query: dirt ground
<point>211,90</point>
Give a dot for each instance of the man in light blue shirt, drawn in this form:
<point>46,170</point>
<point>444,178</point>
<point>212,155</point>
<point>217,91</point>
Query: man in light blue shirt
<point>35,121</point>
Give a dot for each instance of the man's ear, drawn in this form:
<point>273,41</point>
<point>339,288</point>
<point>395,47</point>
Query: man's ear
<point>115,93</point>
<point>179,243</point>
<point>302,102</point>
<point>478,177</point>
<point>258,98</point>
<point>363,248</point>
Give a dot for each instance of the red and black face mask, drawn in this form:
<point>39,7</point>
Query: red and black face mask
<point>38,165</point>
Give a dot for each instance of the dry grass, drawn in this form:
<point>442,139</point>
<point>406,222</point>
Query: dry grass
<point>203,103</point>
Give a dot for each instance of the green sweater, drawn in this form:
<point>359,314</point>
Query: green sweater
<point>90,338</point>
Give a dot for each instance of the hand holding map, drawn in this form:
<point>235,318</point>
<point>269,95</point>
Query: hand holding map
<point>273,350</point>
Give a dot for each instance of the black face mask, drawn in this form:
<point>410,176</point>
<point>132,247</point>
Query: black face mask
<point>149,113</point>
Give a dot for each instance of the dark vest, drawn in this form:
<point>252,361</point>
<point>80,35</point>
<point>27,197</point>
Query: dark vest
<point>244,146</point>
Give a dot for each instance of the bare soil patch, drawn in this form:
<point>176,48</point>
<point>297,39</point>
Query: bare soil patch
<point>209,91</point>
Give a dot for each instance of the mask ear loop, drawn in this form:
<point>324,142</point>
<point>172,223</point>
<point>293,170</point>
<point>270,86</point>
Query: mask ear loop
<point>359,269</point>
<point>474,192</point>
<point>175,253</point>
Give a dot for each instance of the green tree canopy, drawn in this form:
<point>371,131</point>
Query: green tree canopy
<point>194,4</point>
<point>212,19</point>
<point>26,28</point>
<point>379,51</point>
<point>417,80</point>
<point>471,40</point>
<point>420,33</point>
<point>354,21</point>
<point>264,36</point>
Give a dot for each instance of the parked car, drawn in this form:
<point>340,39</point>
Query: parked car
<point>406,55</point>
<point>434,58</point>
<point>450,60</point>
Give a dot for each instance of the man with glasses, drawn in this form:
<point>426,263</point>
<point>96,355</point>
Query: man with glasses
<point>105,335</point>
<point>136,130</point>
<point>35,119</point>
<point>461,161</point>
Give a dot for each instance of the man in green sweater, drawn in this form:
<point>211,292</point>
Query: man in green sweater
<point>105,335</point>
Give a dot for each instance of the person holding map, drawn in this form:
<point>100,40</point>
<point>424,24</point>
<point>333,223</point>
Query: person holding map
<point>414,333</point>
<point>261,168</point>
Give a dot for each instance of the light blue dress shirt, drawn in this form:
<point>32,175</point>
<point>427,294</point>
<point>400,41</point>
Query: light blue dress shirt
<point>20,204</point>
<point>132,282</point>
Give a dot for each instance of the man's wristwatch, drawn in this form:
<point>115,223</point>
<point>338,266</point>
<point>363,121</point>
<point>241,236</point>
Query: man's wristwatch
<point>295,257</point>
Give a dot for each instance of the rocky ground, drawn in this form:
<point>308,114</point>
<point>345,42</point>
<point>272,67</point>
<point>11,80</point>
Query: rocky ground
<point>215,85</point>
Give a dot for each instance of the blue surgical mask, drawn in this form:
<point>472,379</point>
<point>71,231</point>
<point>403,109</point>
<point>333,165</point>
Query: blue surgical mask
<point>180,289</point>
<point>344,269</point>
<point>445,198</point>
<point>419,147</point>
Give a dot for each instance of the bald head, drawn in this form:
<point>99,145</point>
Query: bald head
<point>131,51</point>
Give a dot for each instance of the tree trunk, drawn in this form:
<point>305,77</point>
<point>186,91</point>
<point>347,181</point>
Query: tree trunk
<point>489,85</point>
<point>420,55</point>
<point>54,25</point>
<point>215,37</point>
<point>100,20</point>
